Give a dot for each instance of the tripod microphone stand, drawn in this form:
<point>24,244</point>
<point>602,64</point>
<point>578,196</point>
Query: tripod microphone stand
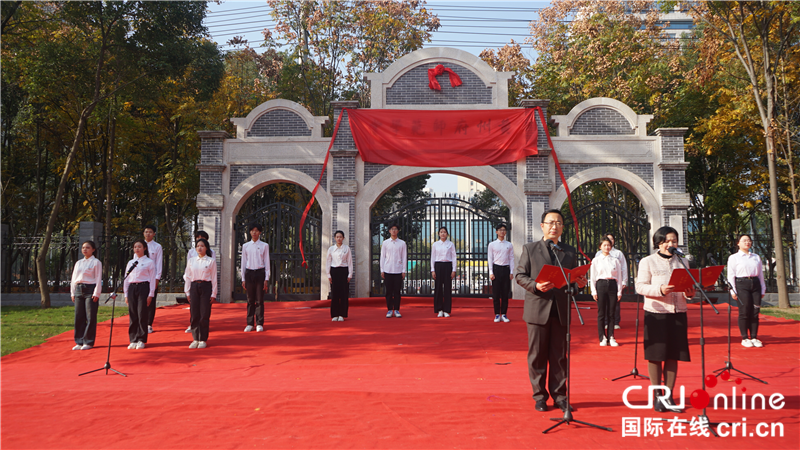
<point>728,364</point>
<point>107,365</point>
<point>570,298</point>
<point>634,372</point>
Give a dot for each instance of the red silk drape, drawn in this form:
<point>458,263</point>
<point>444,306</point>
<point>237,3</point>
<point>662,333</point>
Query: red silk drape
<point>425,138</point>
<point>455,80</point>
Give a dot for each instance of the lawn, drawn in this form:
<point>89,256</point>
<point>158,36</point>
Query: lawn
<point>791,313</point>
<point>23,327</point>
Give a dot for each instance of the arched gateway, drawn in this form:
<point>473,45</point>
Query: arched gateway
<point>280,141</point>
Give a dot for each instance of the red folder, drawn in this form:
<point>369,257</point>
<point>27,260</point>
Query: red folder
<point>681,280</point>
<point>553,274</point>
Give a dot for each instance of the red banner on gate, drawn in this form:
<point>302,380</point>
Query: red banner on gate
<point>425,138</point>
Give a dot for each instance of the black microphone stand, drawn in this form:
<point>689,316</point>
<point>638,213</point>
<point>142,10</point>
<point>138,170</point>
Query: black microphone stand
<point>570,298</point>
<point>635,372</point>
<point>728,364</point>
<point>107,365</point>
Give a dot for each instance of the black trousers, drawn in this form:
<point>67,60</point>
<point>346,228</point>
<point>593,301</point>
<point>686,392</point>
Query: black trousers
<point>340,291</point>
<point>606,305</point>
<point>200,309</point>
<point>749,292</point>
<point>151,310</point>
<point>501,288</point>
<point>137,309</point>
<point>393,282</point>
<point>85,315</point>
<point>443,287</point>
<point>547,347</point>
<point>254,284</point>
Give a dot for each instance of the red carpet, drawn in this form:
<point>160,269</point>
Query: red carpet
<point>370,382</point>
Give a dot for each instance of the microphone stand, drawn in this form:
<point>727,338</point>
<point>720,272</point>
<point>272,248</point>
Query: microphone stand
<point>635,372</point>
<point>107,365</point>
<point>728,364</point>
<point>570,298</point>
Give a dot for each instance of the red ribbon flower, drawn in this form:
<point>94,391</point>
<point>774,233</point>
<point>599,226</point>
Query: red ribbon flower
<point>455,80</point>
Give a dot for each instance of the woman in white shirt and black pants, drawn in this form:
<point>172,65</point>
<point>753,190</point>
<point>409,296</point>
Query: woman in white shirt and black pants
<point>139,289</point>
<point>746,275</point>
<point>87,283</point>
<point>607,284</point>
<point>443,270</point>
<point>200,287</point>
<point>340,271</point>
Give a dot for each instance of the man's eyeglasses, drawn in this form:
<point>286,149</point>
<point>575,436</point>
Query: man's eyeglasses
<point>554,224</point>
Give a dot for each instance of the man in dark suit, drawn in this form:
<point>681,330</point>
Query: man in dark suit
<point>546,310</point>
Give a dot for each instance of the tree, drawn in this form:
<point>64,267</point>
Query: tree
<point>760,34</point>
<point>86,52</point>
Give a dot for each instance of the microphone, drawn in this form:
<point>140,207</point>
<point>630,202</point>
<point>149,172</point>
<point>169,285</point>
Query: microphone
<point>554,246</point>
<point>675,251</point>
<point>133,266</point>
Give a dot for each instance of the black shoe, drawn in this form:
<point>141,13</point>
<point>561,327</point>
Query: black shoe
<point>659,405</point>
<point>562,405</point>
<point>541,405</point>
<point>671,402</point>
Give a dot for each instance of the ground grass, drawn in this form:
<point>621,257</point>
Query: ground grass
<point>23,327</point>
<point>789,313</point>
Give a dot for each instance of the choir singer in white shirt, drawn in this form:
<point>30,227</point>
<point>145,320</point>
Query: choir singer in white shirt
<point>200,287</point>
<point>339,265</point>
<point>139,288</point>
<point>394,260</point>
<point>607,284</point>
<point>746,275</point>
<point>443,270</point>
<point>87,283</point>
<point>501,259</point>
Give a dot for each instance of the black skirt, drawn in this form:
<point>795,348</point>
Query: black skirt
<point>665,337</point>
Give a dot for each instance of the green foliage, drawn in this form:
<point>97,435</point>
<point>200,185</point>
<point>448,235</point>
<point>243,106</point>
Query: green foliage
<point>487,200</point>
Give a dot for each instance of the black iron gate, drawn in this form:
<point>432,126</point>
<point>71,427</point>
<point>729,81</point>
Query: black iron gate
<point>471,230</point>
<point>631,229</point>
<point>289,280</point>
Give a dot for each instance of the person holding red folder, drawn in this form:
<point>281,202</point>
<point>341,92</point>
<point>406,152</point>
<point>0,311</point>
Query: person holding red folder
<point>546,311</point>
<point>665,330</point>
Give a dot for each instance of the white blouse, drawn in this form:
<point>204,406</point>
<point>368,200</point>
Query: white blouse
<point>394,256</point>
<point>255,255</point>
<point>500,253</point>
<point>144,271</point>
<point>742,265</point>
<point>607,268</point>
<point>87,271</point>
<point>339,257</point>
<point>443,251</point>
<point>201,269</point>
<point>156,255</point>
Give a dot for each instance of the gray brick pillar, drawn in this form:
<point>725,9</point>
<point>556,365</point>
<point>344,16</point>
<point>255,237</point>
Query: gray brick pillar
<point>670,181</point>
<point>210,197</point>
<point>344,185</point>
<point>538,182</point>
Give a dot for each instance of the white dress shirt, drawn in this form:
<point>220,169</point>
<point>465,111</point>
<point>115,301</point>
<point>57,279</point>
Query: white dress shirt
<point>606,268</point>
<point>500,253</point>
<point>157,255</point>
<point>394,256</point>
<point>339,257</point>
<point>622,262</point>
<point>443,251</point>
<point>255,255</point>
<point>87,271</point>
<point>201,269</point>
<point>145,271</point>
<point>742,265</point>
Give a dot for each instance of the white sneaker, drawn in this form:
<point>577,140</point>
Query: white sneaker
<point>248,328</point>
<point>188,330</point>
<point>397,313</point>
<point>617,327</point>
<point>149,329</point>
<point>77,347</point>
<point>497,318</point>
<point>747,343</point>
<point>193,344</point>
<point>603,343</point>
<point>606,327</point>
<point>86,347</point>
<point>505,318</point>
<point>441,314</point>
<point>613,342</point>
<point>259,329</point>
<point>388,314</point>
<point>139,345</point>
<point>132,346</point>
<point>447,314</point>
<point>341,318</point>
<point>335,319</point>
<point>756,343</point>
<point>201,344</point>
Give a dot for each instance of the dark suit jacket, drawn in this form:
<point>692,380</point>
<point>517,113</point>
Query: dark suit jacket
<point>538,304</point>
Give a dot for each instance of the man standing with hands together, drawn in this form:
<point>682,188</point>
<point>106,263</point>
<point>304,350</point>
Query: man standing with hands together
<point>546,312</point>
<point>255,276</point>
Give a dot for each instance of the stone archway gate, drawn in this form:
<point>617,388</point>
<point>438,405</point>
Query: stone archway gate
<point>280,141</point>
